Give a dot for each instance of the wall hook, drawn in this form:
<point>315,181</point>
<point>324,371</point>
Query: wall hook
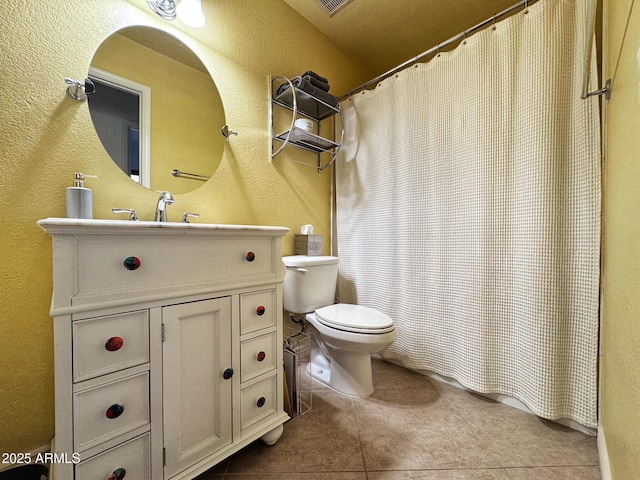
<point>79,90</point>
<point>226,133</point>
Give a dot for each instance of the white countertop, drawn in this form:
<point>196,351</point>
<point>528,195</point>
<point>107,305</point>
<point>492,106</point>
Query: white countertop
<point>73,226</point>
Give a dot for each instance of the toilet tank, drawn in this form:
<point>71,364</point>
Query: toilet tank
<point>309,283</point>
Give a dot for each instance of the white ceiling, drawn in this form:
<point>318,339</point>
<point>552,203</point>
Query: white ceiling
<point>384,33</point>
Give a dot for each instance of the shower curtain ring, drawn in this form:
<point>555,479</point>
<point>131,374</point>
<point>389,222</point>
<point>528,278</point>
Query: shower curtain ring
<point>526,6</point>
<point>464,37</point>
<point>494,22</point>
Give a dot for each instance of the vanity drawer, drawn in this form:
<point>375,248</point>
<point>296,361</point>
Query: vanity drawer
<point>193,262</point>
<point>105,411</point>
<point>258,401</point>
<point>257,310</point>
<point>107,344</point>
<point>133,457</point>
<point>257,356</point>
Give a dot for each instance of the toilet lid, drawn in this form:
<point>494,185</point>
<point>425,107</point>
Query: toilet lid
<point>354,318</point>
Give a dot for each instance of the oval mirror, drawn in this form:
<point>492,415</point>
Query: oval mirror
<point>156,109</point>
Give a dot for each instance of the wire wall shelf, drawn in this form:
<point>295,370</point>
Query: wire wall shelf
<point>286,130</point>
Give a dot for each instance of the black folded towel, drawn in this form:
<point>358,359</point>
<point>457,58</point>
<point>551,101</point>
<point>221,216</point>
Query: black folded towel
<point>315,75</point>
<point>317,83</point>
<point>306,86</point>
<point>285,86</point>
<point>313,80</point>
<point>318,93</point>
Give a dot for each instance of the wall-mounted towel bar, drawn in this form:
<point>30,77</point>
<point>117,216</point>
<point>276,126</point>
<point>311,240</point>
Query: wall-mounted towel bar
<point>194,176</point>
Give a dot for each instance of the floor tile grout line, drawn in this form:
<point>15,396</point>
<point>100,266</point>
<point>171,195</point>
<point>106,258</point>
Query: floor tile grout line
<point>357,424</point>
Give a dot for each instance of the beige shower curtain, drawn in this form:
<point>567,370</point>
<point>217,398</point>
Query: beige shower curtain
<point>468,209</point>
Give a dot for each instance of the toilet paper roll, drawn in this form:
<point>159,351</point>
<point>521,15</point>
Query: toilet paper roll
<point>304,124</point>
<point>306,229</point>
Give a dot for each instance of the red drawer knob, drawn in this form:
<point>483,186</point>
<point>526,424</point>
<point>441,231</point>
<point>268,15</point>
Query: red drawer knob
<point>250,257</point>
<point>114,344</point>
<point>132,263</point>
<point>118,474</point>
<point>261,401</point>
<point>260,310</point>
<point>261,356</point>
<point>114,411</point>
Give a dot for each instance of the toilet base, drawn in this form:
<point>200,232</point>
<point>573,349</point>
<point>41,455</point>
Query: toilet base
<point>319,367</point>
<point>355,380</point>
<point>351,373</point>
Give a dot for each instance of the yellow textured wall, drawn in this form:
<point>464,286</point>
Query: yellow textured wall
<point>620,354</point>
<point>45,136</point>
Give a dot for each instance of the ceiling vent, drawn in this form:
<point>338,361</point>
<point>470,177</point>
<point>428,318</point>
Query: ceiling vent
<point>332,6</point>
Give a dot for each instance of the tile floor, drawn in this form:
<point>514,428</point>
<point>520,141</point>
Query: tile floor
<point>414,428</point>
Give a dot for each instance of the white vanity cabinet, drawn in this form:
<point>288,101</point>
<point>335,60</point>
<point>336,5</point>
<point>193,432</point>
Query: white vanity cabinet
<point>168,353</point>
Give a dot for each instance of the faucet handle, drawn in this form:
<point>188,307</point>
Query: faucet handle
<point>132,213</point>
<point>185,217</point>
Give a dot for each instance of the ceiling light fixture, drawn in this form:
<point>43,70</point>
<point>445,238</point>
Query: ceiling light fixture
<point>165,8</point>
<point>188,11</point>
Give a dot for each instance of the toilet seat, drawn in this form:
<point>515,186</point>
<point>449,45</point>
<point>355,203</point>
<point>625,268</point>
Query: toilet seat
<point>354,318</point>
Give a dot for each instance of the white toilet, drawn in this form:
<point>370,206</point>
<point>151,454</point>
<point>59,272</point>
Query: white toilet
<point>343,336</point>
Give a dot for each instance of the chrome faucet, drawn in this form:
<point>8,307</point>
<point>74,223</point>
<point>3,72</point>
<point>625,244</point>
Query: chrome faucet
<point>165,200</point>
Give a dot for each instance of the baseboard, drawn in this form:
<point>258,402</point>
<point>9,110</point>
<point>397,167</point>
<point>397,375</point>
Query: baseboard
<point>603,456</point>
<point>32,456</point>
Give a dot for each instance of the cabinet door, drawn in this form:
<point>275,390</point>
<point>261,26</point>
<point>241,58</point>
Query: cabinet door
<point>197,397</point>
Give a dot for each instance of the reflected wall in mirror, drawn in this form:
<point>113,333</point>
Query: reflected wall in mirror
<point>156,109</point>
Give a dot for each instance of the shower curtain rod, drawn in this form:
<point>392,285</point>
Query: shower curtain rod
<point>460,36</point>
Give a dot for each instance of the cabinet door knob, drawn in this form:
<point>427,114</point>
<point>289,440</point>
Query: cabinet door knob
<point>261,401</point>
<point>131,263</point>
<point>250,257</point>
<point>261,356</point>
<point>118,474</point>
<point>114,344</point>
<point>260,310</point>
<point>227,374</point>
<point>114,411</point>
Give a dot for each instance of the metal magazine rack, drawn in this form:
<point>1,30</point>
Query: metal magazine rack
<point>298,384</point>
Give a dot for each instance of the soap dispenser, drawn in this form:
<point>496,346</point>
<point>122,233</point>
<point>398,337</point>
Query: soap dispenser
<point>79,198</point>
